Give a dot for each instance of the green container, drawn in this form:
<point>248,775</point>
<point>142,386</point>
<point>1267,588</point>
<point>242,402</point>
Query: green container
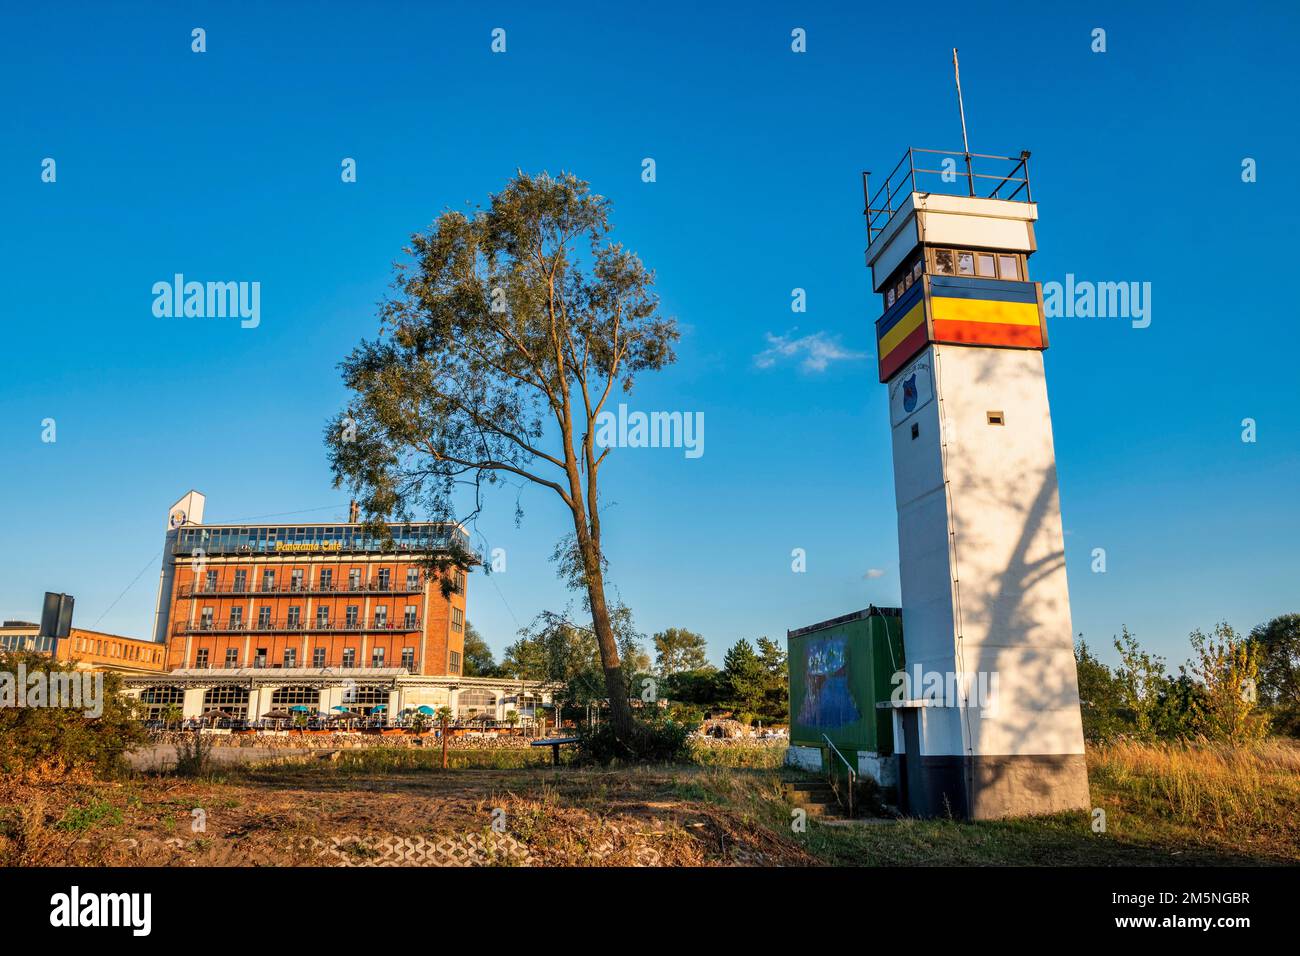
<point>839,670</point>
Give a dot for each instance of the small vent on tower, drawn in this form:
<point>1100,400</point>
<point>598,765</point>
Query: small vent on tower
<point>996,418</point>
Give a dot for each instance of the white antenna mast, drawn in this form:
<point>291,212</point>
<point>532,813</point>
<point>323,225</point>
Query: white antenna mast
<point>961,108</point>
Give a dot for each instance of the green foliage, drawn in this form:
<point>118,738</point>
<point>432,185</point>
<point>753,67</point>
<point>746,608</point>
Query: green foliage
<point>194,755</point>
<point>1228,669</point>
<point>79,819</point>
<point>553,648</point>
<point>744,679</point>
<point>1140,679</point>
<point>477,659</point>
<point>1100,696</point>
<point>776,680</point>
<point>40,742</point>
<point>1279,671</point>
<point>678,650</point>
<point>658,740</point>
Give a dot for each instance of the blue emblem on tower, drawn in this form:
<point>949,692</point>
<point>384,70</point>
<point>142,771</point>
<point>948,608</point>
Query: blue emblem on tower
<point>909,393</point>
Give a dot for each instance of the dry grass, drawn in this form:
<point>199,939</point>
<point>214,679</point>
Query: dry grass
<point>1165,805</point>
<point>1246,798</point>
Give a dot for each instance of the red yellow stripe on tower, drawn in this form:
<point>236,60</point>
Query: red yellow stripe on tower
<point>959,311</point>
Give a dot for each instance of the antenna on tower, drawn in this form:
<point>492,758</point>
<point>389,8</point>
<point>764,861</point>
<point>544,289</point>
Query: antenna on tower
<point>961,108</point>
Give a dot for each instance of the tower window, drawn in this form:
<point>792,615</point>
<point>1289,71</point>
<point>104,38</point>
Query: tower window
<point>945,262</point>
<point>985,266</point>
<point>965,263</point>
<point>1008,267</point>
<point>916,430</point>
<point>996,418</point>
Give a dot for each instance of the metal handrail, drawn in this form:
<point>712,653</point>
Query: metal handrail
<point>853,776</point>
<point>882,201</point>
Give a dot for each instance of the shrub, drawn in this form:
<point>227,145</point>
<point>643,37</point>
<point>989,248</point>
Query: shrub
<point>45,742</point>
<point>651,741</point>
<point>193,755</point>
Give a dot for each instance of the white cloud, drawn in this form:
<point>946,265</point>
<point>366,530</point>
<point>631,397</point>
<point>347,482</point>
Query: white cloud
<point>817,351</point>
<point>873,573</point>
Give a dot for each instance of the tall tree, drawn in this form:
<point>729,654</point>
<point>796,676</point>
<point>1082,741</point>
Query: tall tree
<point>497,352</point>
<point>743,677</point>
<point>776,679</point>
<point>678,650</point>
<point>1279,670</point>
<point>477,660</point>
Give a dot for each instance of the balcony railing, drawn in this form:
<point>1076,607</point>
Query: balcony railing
<point>307,590</point>
<point>400,625</point>
<point>1006,182</point>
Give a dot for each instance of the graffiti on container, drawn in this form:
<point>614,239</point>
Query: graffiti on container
<point>828,701</point>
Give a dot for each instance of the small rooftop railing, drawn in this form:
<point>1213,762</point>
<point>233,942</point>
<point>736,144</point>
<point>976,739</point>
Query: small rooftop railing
<point>968,174</point>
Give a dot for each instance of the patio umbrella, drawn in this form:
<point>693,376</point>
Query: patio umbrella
<point>425,709</point>
<point>379,707</point>
<point>340,707</point>
<point>278,715</point>
<point>300,709</point>
<point>216,715</point>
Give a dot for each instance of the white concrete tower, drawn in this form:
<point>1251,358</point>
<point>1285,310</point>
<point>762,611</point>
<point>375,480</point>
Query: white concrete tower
<point>988,723</point>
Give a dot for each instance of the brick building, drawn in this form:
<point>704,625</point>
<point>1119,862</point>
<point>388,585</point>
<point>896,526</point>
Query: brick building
<point>292,596</point>
<point>89,650</point>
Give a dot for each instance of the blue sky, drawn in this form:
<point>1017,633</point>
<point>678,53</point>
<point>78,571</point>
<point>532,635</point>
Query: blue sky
<point>225,166</point>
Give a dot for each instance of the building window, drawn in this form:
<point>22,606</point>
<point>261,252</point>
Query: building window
<point>385,576</point>
<point>236,618</point>
<point>232,701</point>
<point>327,579</point>
<point>363,699</point>
<point>290,657</point>
<point>889,298</point>
<point>260,659</point>
<point>412,579</point>
<point>460,582</point>
<point>210,582</point>
<point>453,662</point>
<point>983,265</point>
<point>295,695</point>
<point>205,619</point>
<point>409,620</point>
<point>232,657</point>
<point>381,616</point>
<point>918,269</point>
<point>318,657</point>
<point>349,657</point>
<point>241,581</point>
<point>295,616</point>
<point>377,657</point>
<point>408,658</point>
<point>354,579</point>
<point>268,580</point>
<point>295,580</point>
<point>158,700</point>
<point>475,703</point>
<point>264,616</point>
<point>322,616</point>
<point>201,658</point>
<point>352,612</point>
<point>457,620</point>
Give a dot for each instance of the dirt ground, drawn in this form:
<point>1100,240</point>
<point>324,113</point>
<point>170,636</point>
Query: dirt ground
<point>286,816</point>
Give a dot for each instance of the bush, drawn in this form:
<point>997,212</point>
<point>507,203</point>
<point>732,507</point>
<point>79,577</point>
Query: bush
<point>45,742</point>
<point>193,755</point>
<point>652,741</point>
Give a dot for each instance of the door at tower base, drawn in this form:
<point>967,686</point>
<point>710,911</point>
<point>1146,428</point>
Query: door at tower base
<point>987,723</point>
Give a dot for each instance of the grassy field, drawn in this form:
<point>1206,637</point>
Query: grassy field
<point>1165,805</point>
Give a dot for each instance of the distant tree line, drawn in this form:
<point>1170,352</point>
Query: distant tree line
<point>1235,688</point>
<point>752,685</point>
